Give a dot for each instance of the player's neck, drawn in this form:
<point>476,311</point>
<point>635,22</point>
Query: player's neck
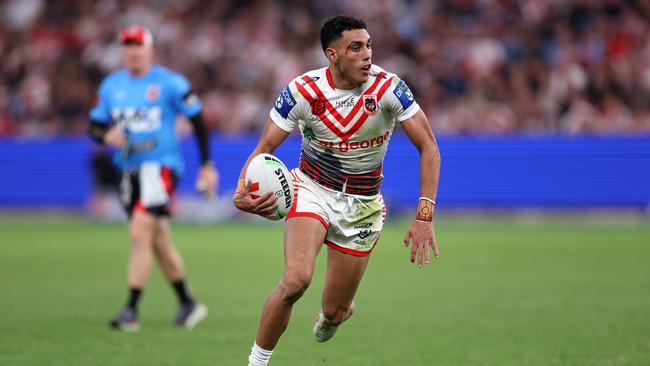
<point>339,80</point>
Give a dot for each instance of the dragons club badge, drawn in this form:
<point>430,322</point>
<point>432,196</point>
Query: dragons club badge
<point>370,104</point>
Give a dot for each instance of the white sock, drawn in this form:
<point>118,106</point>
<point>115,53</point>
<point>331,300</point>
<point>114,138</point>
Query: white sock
<point>259,356</point>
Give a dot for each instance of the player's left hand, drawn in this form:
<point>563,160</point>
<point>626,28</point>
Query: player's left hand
<point>423,236</point>
<point>207,180</point>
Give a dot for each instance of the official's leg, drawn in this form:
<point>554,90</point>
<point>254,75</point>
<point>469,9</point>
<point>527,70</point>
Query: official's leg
<point>168,256</point>
<point>190,312</point>
<point>141,230</point>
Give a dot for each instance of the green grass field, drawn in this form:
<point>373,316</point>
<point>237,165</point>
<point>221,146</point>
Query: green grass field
<point>503,293</point>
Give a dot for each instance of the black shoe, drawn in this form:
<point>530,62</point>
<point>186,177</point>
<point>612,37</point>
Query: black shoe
<point>189,315</point>
<point>126,321</point>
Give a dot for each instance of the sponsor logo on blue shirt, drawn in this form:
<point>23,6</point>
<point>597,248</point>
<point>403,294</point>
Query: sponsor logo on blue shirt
<point>404,94</point>
<point>285,102</point>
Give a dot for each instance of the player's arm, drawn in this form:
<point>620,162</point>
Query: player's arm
<point>421,231</point>
<point>265,205</point>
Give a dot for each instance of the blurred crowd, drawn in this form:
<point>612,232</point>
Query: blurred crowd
<point>475,66</point>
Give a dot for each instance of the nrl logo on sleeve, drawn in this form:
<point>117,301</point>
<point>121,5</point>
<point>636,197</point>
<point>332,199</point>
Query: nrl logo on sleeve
<point>370,104</point>
<point>153,92</point>
<point>285,102</point>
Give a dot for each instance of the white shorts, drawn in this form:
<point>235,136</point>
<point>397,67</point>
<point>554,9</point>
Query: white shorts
<point>353,222</point>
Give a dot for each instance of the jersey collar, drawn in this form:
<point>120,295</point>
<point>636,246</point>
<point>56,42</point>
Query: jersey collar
<point>330,82</point>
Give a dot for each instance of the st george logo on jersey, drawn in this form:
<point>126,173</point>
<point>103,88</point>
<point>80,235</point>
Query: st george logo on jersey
<point>370,104</point>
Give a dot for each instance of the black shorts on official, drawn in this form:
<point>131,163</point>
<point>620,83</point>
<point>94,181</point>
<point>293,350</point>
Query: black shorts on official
<point>148,189</point>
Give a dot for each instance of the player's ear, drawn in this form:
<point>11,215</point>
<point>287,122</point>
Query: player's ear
<point>331,54</point>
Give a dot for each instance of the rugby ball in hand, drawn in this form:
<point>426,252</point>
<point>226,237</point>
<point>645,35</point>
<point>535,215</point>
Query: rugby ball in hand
<point>269,174</point>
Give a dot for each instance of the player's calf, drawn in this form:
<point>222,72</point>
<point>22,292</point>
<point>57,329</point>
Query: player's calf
<point>328,321</point>
<point>338,314</point>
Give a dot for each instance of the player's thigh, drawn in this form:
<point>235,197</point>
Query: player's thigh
<point>344,274</point>
<point>303,238</point>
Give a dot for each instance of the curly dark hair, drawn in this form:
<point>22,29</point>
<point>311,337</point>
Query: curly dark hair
<point>334,28</point>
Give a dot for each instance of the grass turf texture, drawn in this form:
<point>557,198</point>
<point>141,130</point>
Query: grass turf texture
<point>503,293</point>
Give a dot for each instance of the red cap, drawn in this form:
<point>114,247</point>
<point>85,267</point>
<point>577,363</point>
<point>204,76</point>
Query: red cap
<point>137,35</point>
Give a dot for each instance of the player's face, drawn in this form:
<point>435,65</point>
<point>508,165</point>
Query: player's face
<point>137,58</point>
<point>354,55</point>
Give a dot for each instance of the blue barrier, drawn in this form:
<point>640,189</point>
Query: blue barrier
<point>487,172</point>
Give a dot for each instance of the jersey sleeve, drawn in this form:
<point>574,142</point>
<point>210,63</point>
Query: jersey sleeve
<point>400,100</point>
<point>184,99</point>
<point>100,113</point>
<point>288,108</point>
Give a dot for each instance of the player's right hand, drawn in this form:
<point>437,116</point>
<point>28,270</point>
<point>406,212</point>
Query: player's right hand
<point>423,236</point>
<point>263,205</point>
<point>115,137</point>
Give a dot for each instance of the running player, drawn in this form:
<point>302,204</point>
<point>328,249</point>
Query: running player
<point>136,113</point>
<point>346,113</point>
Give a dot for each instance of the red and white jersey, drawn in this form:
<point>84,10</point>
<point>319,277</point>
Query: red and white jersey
<point>345,133</point>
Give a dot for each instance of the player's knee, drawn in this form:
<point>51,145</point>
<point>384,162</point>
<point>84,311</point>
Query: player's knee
<point>335,314</point>
<point>293,286</point>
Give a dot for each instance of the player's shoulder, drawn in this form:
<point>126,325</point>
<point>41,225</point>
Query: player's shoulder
<point>378,72</point>
<point>397,90</point>
<point>299,87</point>
<point>294,93</point>
<point>312,76</point>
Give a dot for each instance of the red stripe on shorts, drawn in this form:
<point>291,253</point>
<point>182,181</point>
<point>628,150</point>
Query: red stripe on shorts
<point>308,214</point>
<point>294,206</point>
<point>356,253</point>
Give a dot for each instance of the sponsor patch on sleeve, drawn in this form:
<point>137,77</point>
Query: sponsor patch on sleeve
<point>285,102</point>
<point>404,94</point>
